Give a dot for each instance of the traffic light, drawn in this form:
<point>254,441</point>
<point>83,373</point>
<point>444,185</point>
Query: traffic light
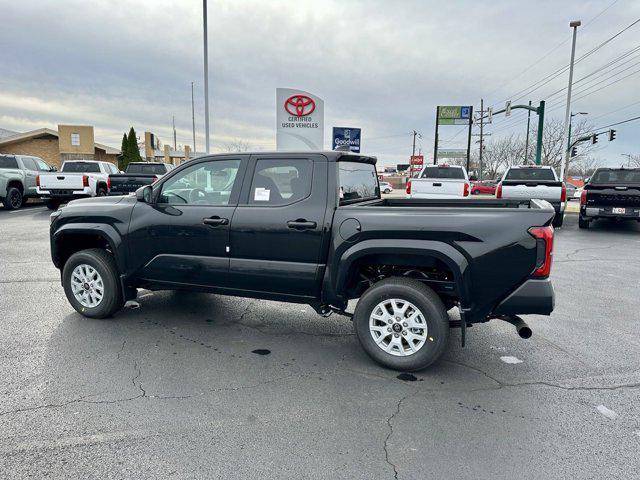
<point>594,139</point>
<point>612,135</point>
<point>574,152</point>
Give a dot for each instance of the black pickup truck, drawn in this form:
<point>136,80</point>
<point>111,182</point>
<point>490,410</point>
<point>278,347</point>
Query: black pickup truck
<point>312,228</point>
<point>137,174</point>
<point>612,193</point>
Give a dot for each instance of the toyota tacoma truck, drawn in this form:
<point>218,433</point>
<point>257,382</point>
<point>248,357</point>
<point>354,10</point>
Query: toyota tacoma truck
<point>612,193</point>
<point>137,174</point>
<point>312,228</point>
<point>440,181</point>
<point>76,179</point>
<point>18,179</point>
<point>534,181</point>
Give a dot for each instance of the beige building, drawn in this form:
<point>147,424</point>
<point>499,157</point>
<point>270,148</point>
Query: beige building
<point>69,142</point>
<point>155,152</point>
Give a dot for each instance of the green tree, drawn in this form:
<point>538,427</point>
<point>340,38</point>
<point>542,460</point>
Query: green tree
<point>123,157</point>
<point>133,153</point>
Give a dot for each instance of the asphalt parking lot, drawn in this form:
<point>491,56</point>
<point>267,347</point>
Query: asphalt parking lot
<point>203,386</point>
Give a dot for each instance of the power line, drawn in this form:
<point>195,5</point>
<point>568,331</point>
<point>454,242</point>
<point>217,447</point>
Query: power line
<point>618,123</point>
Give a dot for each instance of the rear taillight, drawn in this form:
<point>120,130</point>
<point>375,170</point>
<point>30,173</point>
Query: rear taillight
<point>499,191</point>
<point>37,180</point>
<point>85,181</point>
<point>563,193</point>
<point>544,251</point>
<point>465,192</point>
<point>409,187</point>
<point>583,197</point>
<point>108,183</point>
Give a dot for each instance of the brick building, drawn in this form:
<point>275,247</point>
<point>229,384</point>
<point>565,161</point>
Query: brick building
<point>69,142</point>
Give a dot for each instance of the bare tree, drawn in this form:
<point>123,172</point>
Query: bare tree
<point>553,148</point>
<point>502,153</point>
<point>237,145</point>
<point>634,161</point>
<point>584,166</point>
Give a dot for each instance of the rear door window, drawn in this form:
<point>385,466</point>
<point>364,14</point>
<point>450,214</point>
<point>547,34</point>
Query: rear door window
<point>530,174</point>
<point>280,181</point>
<point>357,181</point>
<point>29,164</point>
<point>443,173</point>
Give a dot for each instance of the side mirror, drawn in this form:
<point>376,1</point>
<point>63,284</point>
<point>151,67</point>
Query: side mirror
<point>586,180</point>
<point>143,194</point>
<point>53,169</point>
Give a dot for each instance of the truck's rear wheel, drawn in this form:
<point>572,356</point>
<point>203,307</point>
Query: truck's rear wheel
<point>14,199</point>
<point>558,220</point>
<point>52,204</point>
<point>583,222</point>
<point>91,284</point>
<point>402,324</point>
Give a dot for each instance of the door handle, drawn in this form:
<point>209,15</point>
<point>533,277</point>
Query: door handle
<point>437,184</point>
<point>301,224</point>
<point>213,221</point>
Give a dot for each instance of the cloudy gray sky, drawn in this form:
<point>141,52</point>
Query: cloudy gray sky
<point>379,65</point>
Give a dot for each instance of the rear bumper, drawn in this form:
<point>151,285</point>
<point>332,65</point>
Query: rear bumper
<point>631,213</point>
<point>532,297</point>
<point>64,193</point>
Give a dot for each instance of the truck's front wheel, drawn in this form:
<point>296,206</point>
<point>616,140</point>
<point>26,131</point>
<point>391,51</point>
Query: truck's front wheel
<point>90,280</point>
<point>402,324</point>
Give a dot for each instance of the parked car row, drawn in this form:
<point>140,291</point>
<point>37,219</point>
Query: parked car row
<point>23,177</point>
<point>612,193</point>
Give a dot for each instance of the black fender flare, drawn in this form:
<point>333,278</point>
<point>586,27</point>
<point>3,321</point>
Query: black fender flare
<point>444,252</point>
<point>107,232</point>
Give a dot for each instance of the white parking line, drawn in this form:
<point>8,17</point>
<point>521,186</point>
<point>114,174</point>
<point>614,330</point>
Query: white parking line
<point>511,360</point>
<point>27,210</point>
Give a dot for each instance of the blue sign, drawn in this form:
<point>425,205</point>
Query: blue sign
<point>465,112</point>
<point>346,136</point>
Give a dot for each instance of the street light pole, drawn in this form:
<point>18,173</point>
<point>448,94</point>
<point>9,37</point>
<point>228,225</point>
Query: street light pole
<point>193,120</point>
<point>567,117</point>
<point>206,75</point>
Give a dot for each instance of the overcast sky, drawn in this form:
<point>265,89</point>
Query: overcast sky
<point>379,65</point>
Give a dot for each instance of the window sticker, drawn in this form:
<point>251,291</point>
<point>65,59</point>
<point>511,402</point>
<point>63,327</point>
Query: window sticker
<point>261,194</point>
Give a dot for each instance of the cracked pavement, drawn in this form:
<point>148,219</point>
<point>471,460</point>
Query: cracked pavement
<point>172,389</point>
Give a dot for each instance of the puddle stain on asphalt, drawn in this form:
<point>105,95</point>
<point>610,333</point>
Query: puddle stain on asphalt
<point>407,377</point>
<point>261,351</point>
<point>510,360</point>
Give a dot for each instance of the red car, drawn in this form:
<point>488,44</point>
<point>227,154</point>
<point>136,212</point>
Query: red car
<point>485,187</point>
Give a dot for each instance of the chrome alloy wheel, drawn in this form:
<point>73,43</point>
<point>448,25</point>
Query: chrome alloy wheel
<point>398,327</point>
<point>87,285</point>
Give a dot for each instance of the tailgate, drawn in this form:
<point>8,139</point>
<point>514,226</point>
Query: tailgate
<point>550,192</point>
<point>437,187</point>
<point>66,181</point>
<point>613,196</point>
<point>130,183</point>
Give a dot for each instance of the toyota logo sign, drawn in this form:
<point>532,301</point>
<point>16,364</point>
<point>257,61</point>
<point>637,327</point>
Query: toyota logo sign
<point>299,105</point>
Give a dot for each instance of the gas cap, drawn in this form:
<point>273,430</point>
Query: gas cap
<point>349,229</point>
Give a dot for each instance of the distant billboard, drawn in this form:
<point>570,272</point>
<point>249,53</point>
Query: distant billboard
<point>300,120</point>
<point>452,153</point>
<point>346,136</point>
<point>454,115</point>
<point>402,167</point>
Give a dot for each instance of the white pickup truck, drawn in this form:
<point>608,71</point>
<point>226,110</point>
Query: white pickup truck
<point>76,179</point>
<point>440,181</point>
<point>534,182</point>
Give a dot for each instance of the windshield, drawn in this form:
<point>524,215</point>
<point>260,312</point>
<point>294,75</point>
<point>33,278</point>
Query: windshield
<point>81,167</point>
<point>357,181</point>
<point>443,172</point>
<point>620,176</point>
<point>151,168</point>
<point>8,162</point>
<point>532,174</point>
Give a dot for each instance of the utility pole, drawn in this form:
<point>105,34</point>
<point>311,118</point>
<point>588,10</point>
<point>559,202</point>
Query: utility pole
<point>413,153</point>
<point>481,145</point>
<point>435,143</point>
<point>175,145</point>
<point>526,142</point>
<point>469,137</point>
<point>206,75</point>
<point>193,120</point>
<point>567,119</point>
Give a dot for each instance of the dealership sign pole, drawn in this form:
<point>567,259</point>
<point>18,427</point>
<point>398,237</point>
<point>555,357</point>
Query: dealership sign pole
<point>300,120</point>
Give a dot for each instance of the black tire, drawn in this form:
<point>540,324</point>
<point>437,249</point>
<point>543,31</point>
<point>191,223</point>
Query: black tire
<point>101,192</point>
<point>558,220</point>
<point>583,223</point>
<point>14,199</point>
<point>387,191</point>
<point>52,204</point>
<point>426,301</point>
<point>104,263</point>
